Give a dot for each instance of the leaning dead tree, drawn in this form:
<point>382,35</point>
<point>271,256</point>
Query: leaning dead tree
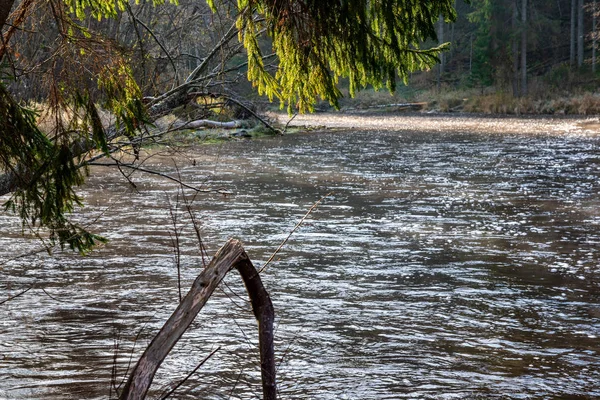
<point>231,256</point>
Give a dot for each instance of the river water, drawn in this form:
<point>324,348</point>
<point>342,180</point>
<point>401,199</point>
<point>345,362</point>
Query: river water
<point>441,264</point>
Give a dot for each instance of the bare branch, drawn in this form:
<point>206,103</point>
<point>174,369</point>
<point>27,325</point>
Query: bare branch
<point>17,295</point>
<point>190,374</point>
<point>164,49</point>
<point>314,206</point>
<point>231,33</point>
<point>152,172</point>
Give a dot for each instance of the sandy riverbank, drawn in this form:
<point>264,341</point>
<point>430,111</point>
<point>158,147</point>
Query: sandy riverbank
<point>451,123</point>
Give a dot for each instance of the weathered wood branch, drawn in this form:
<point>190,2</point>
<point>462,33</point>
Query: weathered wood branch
<point>206,123</point>
<point>258,117</point>
<point>265,315</point>
<point>231,255</point>
<point>227,37</point>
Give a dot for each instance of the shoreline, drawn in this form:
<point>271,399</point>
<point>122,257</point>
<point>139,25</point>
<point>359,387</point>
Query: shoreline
<point>552,125</point>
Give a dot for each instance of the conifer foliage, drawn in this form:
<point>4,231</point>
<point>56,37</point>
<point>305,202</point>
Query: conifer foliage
<point>369,42</point>
<point>316,43</point>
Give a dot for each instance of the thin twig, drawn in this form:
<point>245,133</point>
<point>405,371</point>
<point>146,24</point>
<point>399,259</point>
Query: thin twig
<point>245,301</point>
<point>17,295</point>
<point>236,382</point>
<point>152,172</point>
<point>52,297</point>
<point>139,38</point>
<point>289,122</point>
<point>113,373</point>
<point>195,223</point>
<point>164,49</point>
<point>190,374</point>
<point>135,340</point>
<point>314,206</point>
<point>243,333</point>
<point>175,241</point>
<point>287,350</point>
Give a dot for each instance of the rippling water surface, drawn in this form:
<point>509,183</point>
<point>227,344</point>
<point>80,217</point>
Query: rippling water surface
<point>441,266</point>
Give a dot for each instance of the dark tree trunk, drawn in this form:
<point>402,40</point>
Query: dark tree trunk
<point>440,70</point>
<point>5,7</point>
<point>524,48</point>
<point>594,39</point>
<point>573,32</point>
<point>580,33</point>
<point>515,49</point>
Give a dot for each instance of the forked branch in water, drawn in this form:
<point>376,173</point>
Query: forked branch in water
<point>231,255</point>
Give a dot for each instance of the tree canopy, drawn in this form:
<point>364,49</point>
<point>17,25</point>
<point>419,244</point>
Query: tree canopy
<point>315,43</point>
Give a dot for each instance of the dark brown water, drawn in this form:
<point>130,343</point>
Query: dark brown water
<point>443,266</point>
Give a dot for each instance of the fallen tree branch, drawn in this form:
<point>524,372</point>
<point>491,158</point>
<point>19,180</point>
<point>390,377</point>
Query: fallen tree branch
<point>406,106</point>
<point>231,255</point>
<point>242,105</point>
<point>207,123</point>
<point>258,117</point>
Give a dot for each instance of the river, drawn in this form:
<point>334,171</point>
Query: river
<point>444,263</point>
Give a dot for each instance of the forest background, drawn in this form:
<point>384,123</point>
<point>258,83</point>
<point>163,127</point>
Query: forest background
<point>505,56</point>
<point>512,57</point>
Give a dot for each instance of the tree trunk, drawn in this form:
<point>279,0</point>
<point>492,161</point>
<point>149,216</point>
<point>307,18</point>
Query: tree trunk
<point>524,48</point>
<point>515,49</point>
<point>231,255</point>
<point>580,33</point>
<point>594,37</point>
<point>471,55</point>
<point>453,48</point>
<point>573,32</point>
<point>440,41</point>
<point>207,123</point>
<point>5,7</point>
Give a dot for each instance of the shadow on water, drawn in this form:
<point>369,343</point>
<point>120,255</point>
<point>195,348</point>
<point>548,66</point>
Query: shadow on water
<point>443,266</point>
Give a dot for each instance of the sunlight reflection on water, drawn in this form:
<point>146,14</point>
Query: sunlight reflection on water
<point>442,266</point>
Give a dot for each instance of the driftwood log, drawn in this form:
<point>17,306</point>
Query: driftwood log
<point>207,123</point>
<point>231,255</point>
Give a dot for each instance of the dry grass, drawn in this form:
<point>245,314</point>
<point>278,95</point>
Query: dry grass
<point>586,104</point>
<point>49,119</point>
<point>489,102</point>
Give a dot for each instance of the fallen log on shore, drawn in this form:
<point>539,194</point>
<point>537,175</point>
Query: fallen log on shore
<point>207,123</point>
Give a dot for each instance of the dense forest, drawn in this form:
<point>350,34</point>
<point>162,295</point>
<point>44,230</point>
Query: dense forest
<point>509,57</point>
<point>503,43</point>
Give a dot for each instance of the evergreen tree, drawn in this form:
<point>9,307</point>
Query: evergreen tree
<point>316,43</point>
